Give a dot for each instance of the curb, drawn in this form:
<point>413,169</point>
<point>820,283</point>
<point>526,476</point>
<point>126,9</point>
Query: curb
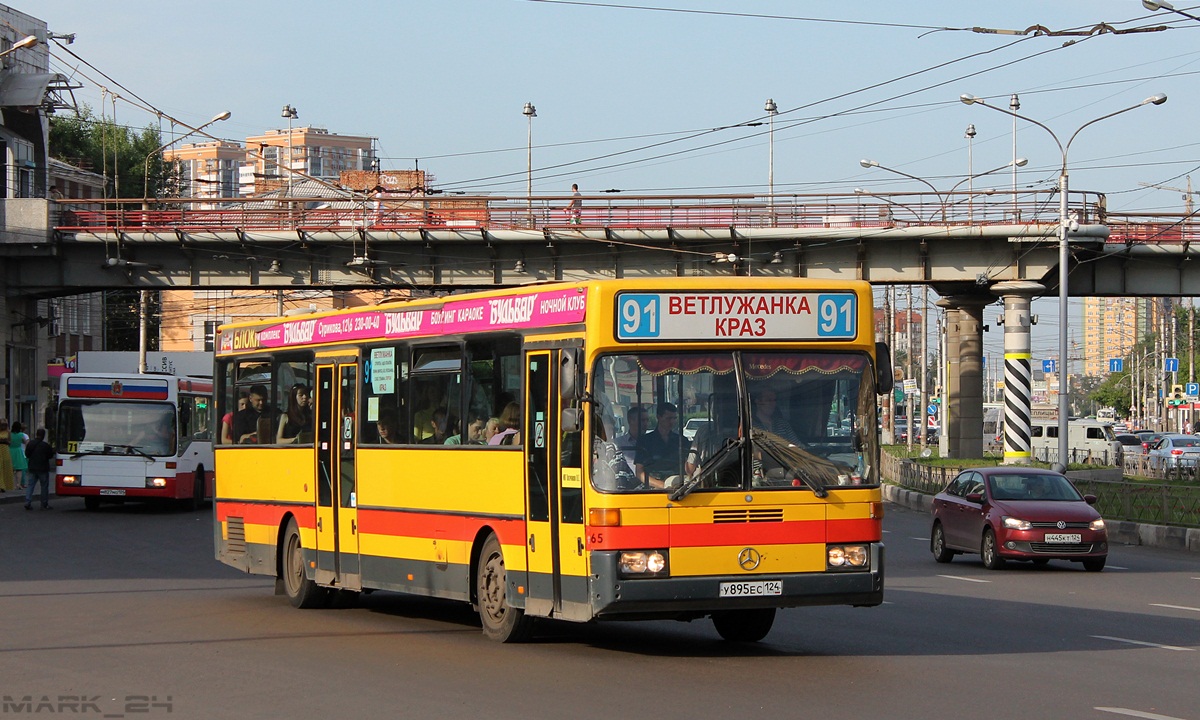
<point>1119,531</point>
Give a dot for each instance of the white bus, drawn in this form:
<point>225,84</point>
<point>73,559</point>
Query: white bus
<point>128,436</point>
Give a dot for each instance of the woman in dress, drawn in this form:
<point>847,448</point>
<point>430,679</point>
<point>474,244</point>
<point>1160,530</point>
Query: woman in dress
<point>16,450</point>
<point>6,466</point>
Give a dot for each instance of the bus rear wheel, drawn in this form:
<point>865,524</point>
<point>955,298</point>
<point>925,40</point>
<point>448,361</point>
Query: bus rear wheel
<point>744,625</point>
<point>501,621</point>
<point>301,592</point>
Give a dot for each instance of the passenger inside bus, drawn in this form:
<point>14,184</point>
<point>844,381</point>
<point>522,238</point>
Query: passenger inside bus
<point>227,421</point>
<point>386,427</point>
<point>658,451</point>
<point>510,426</point>
<point>157,438</point>
<point>611,470</point>
<point>767,416</point>
<point>296,422</point>
<point>246,422</point>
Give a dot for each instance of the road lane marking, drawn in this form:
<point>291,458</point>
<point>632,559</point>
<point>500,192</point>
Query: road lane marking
<point>1115,567</point>
<point>1175,607</point>
<point>920,539</point>
<point>964,579</point>
<point>1136,713</point>
<point>1146,644</point>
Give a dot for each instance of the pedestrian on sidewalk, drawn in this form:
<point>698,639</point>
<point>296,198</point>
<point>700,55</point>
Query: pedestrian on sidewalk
<point>40,455</point>
<point>6,467</point>
<point>16,450</point>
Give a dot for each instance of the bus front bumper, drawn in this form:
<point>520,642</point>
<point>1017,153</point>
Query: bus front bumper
<point>615,597</point>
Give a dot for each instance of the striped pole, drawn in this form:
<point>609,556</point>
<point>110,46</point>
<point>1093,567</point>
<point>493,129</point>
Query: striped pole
<point>1018,374</point>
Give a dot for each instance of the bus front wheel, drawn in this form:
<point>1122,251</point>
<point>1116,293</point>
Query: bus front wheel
<point>501,621</point>
<point>301,592</point>
<point>744,625</point>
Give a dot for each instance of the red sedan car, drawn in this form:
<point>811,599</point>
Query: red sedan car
<point>1017,513</point>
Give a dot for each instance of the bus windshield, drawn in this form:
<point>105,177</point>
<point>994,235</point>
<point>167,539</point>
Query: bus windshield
<point>685,422</point>
<point>120,428</point>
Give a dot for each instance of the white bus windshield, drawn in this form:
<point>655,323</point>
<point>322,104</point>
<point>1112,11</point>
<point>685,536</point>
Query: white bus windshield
<point>116,428</point>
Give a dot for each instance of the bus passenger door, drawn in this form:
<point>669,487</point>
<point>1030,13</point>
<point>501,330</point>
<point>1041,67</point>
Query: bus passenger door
<point>540,441</point>
<point>337,501</point>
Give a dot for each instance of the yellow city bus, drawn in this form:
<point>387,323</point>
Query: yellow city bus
<point>676,448</point>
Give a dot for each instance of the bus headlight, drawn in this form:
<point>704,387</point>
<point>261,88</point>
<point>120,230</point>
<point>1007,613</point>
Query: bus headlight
<point>69,479</point>
<point>642,562</point>
<point>156,482</point>
<point>846,557</point>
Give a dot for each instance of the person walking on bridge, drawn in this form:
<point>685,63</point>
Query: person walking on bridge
<point>575,207</point>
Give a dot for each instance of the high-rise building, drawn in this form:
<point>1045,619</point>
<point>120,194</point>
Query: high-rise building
<point>221,168</point>
<point>209,169</point>
<point>1112,327</point>
<point>315,152</point>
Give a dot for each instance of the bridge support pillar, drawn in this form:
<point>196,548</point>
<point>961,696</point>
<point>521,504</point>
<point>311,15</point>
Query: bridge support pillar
<point>964,376</point>
<point>1018,376</point>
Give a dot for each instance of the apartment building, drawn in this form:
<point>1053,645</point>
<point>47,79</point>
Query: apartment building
<point>1112,327</point>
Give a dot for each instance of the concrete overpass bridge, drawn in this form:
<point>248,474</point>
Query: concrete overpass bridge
<point>971,248</point>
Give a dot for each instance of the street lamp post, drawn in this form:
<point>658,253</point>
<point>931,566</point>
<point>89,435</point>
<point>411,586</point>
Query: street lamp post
<point>290,113</point>
<point>1014,104</point>
<point>1153,6</point>
<point>1064,251</point>
<point>146,190</point>
<point>25,42</point>
<point>970,136</point>
<point>530,112</point>
<point>772,110</point>
<point>874,164</point>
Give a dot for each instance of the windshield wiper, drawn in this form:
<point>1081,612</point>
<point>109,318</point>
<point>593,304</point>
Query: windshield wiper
<point>791,456</point>
<point>711,463</point>
<point>129,450</point>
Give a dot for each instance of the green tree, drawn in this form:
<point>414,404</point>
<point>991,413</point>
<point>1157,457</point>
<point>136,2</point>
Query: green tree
<point>120,154</point>
<point>116,151</point>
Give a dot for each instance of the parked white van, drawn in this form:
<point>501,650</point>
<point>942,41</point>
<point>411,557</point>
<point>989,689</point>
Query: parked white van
<point>1088,441</point>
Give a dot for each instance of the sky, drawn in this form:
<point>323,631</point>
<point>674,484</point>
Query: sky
<point>656,97</point>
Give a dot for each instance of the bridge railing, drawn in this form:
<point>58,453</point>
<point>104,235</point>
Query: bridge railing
<point>861,210</point>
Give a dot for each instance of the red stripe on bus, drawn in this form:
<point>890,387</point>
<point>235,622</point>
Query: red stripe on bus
<point>410,523</point>
<point>266,514</point>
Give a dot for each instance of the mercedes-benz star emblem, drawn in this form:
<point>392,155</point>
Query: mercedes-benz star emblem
<point>749,558</point>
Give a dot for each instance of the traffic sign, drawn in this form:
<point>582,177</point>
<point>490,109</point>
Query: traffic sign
<point>932,409</point>
<point>1049,366</point>
<point>1170,364</point>
<point>1192,389</point>
<point>1116,364</point>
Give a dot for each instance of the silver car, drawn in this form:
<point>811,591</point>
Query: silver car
<point>1175,453</point>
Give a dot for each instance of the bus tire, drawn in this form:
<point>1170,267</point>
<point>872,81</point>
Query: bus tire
<point>199,488</point>
<point>301,592</point>
<point>501,621</point>
<point>744,625</point>
<point>91,503</point>
<point>196,501</point>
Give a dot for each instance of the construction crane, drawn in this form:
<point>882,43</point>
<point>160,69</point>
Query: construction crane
<point>1188,194</point>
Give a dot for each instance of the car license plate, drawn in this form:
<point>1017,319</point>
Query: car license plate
<point>112,491</point>
<point>1063,538</point>
<point>750,589</point>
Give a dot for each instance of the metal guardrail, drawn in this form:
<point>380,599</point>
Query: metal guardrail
<point>1127,500</point>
